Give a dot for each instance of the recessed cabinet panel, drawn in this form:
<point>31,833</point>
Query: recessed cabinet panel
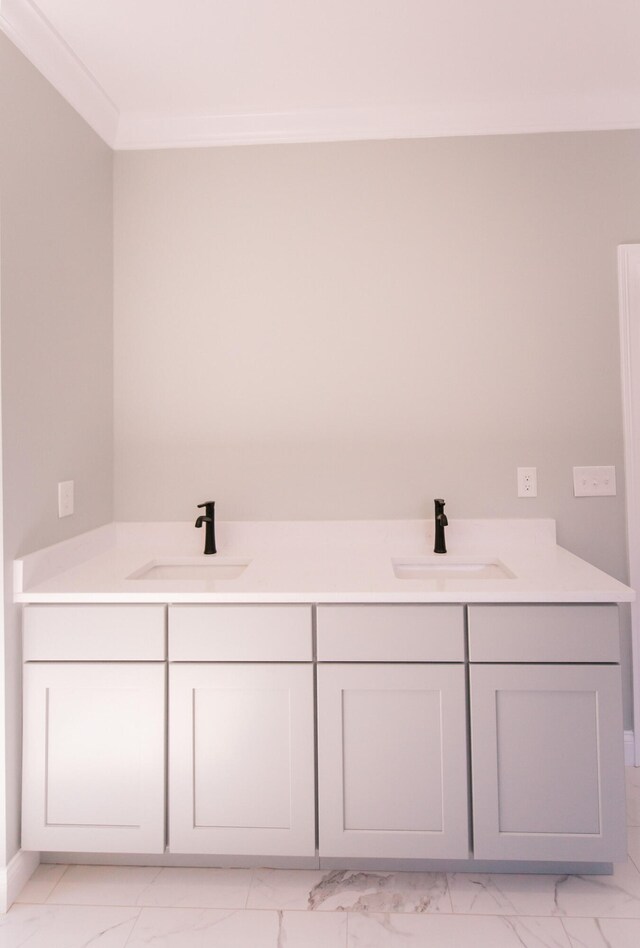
<point>392,761</point>
<point>86,727</point>
<point>376,728</point>
<point>253,749</point>
<point>560,727</point>
<point>94,755</point>
<point>241,773</point>
<point>547,762</point>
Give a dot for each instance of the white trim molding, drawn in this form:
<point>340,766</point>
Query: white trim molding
<point>142,131</point>
<point>629,298</point>
<point>43,46</point>
<point>15,876</point>
<point>629,749</point>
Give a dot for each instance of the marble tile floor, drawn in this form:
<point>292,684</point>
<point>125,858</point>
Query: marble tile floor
<point>142,907</point>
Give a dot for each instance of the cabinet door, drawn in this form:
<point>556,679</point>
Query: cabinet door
<point>94,757</point>
<point>392,761</point>
<point>241,771</point>
<point>547,762</point>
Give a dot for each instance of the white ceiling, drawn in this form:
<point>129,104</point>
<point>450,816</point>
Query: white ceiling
<point>155,73</point>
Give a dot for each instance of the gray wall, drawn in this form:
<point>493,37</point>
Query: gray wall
<point>349,330</point>
<point>56,244</point>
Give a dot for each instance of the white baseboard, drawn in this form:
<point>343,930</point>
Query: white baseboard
<point>15,876</point>
<point>629,749</point>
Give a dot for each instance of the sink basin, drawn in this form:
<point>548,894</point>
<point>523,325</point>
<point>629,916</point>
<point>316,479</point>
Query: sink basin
<point>200,568</point>
<point>446,566</point>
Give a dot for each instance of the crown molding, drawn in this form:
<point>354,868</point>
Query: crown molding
<point>142,131</point>
<point>43,46</point>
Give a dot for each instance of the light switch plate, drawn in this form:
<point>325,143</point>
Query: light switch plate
<point>65,498</point>
<point>594,481</point>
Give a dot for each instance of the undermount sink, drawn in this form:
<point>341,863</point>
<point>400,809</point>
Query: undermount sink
<point>445,566</point>
<point>200,568</point>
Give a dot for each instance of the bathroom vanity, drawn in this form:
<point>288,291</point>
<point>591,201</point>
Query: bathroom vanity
<point>316,709</point>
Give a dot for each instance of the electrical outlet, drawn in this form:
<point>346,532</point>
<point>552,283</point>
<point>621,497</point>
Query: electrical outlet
<point>594,481</point>
<point>527,482</point>
<point>65,498</point>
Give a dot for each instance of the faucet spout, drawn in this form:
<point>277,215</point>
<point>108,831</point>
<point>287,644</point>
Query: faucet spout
<point>209,519</point>
<point>441,522</point>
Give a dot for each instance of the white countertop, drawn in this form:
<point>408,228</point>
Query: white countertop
<point>314,561</point>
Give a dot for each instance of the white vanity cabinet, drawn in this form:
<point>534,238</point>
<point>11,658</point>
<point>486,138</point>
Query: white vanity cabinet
<point>94,732</point>
<point>546,733</point>
<point>444,731</point>
<point>241,730</point>
<point>392,749</point>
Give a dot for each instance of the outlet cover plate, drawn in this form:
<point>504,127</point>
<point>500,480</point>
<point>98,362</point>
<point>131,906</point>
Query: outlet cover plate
<point>527,482</point>
<point>594,481</point>
<point>65,498</point>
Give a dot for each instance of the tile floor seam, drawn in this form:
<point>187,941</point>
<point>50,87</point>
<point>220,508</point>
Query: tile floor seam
<point>49,894</point>
<point>103,905</point>
<point>249,887</point>
<point>347,910</point>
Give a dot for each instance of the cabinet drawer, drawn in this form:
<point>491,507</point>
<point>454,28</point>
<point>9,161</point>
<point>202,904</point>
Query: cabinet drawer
<point>94,633</point>
<point>391,633</point>
<point>544,633</point>
<point>240,634</point>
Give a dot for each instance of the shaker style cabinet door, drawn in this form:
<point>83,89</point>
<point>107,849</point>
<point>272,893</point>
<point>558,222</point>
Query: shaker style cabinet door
<point>547,762</point>
<point>94,757</point>
<point>392,761</point>
<point>241,759</point>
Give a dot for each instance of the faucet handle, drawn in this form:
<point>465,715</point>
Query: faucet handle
<point>209,509</point>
